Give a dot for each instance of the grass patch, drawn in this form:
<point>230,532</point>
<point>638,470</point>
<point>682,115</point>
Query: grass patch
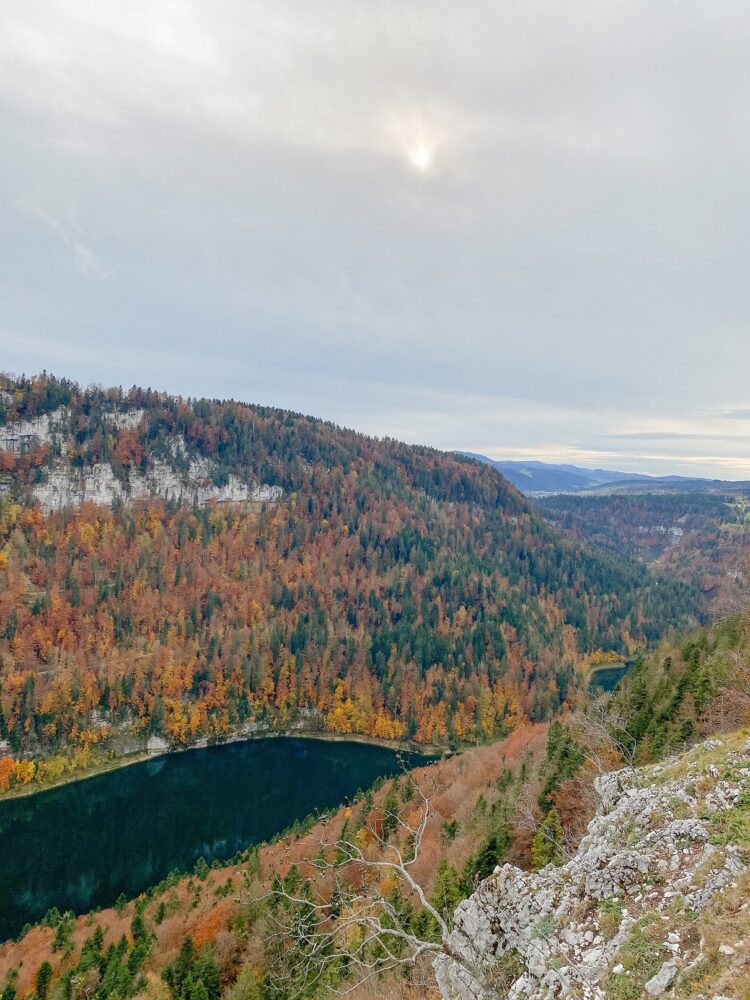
<point>506,971</point>
<point>545,928</point>
<point>732,826</point>
<point>610,916</point>
<point>641,957</point>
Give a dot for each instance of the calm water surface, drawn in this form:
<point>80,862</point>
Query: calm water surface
<point>80,846</point>
<point>607,678</point>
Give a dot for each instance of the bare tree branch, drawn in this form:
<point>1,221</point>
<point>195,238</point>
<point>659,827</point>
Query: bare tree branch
<point>343,916</point>
<point>603,728</point>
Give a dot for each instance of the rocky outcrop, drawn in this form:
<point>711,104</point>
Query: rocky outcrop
<point>172,478</point>
<point>651,856</point>
<point>157,745</point>
<point>66,487</point>
<point>18,437</point>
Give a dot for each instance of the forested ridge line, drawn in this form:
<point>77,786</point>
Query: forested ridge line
<point>394,591</point>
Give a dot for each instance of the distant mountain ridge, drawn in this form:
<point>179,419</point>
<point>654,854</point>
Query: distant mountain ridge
<point>542,477</point>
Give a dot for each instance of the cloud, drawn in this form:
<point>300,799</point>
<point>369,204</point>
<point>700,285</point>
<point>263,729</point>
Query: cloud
<point>673,436</point>
<point>85,261</point>
<point>741,413</point>
<point>234,182</point>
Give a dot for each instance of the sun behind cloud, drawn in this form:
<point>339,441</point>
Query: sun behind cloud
<point>422,157</point>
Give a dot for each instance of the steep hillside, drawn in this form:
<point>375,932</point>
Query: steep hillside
<point>225,913</point>
<point>701,538</point>
<point>688,690</point>
<point>348,583</point>
<point>654,898</point>
<point>654,901</point>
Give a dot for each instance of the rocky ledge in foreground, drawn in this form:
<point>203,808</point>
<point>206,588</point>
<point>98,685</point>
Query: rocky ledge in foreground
<point>655,901</point>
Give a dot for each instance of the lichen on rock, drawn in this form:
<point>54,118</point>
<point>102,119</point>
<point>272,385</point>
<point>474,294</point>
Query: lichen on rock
<point>652,853</point>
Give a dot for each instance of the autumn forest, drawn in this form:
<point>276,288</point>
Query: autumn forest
<point>392,591</point>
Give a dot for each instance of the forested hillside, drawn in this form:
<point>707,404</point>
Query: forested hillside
<point>221,930</point>
<point>389,590</point>
<point>688,690</point>
<point>701,538</point>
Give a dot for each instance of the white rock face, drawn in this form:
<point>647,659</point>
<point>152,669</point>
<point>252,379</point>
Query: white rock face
<point>65,486</point>
<point>19,436</point>
<point>537,935</point>
<point>124,419</point>
<point>156,745</point>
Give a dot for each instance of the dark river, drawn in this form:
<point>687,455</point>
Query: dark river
<point>79,846</point>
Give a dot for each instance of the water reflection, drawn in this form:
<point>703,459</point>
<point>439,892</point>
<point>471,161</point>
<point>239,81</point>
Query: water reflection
<point>80,846</point>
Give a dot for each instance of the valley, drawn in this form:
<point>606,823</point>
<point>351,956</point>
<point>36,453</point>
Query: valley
<point>229,580</point>
<point>700,538</point>
<point>388,591</point>
<point>224,907</point>
<point>374,501</point>
<point>600,904</point>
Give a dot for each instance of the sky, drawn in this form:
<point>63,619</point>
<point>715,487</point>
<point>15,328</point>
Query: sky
<point>515,228</point>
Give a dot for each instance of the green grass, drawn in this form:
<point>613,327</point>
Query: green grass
<point>610,916</point>
<point>641,957</point>
<point>732,826</point>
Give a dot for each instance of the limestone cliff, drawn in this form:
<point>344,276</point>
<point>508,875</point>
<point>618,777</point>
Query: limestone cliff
<point>172,477</point>
<point>656,899</point>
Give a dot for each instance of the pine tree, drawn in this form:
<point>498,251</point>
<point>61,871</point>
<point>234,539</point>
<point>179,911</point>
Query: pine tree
<point>546,847</point>
<point>43,979</point>
<point>390,813</point>
<point>446,894</point>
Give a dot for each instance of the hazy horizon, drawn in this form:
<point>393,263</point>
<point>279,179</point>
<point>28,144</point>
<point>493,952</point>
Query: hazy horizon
<point>511,229</point>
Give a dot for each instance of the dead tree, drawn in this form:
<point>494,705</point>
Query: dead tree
<point>602,728</point>
<point>344,916</point>
<point>729,708</point>
<point>735,604</point>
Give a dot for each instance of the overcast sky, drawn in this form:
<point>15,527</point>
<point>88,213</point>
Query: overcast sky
<point>519,228</point>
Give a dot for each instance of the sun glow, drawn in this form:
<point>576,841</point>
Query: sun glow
<point>421,158</point>
<point>416,142</point>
